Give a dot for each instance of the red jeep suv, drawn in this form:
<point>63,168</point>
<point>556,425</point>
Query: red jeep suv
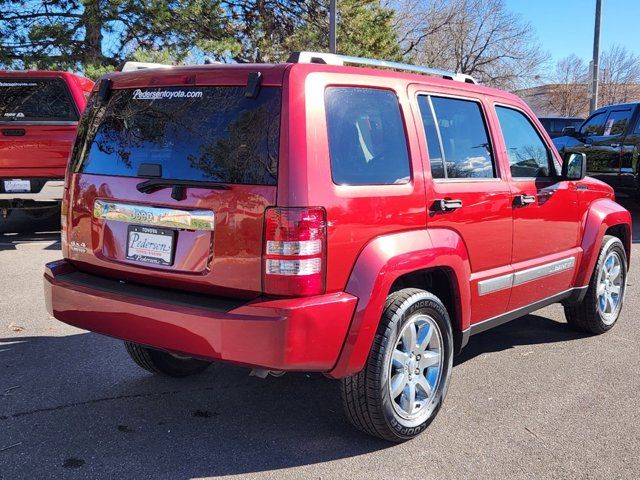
<point>323,217</point>
<point>39,114</point>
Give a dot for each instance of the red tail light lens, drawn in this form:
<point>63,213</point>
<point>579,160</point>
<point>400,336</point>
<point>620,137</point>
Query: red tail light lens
<point>294,251</point>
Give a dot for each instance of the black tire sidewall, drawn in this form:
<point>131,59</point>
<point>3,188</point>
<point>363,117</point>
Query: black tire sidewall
<point>429,305</point>
<point>174,366</point>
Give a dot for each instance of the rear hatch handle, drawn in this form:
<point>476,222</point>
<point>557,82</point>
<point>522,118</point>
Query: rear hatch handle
<point>177,186</point>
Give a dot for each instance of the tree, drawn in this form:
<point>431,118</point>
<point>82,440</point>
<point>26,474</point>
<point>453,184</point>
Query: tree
<point>96,35</point>
<point>269,30</point>
<point>477,37</point>
<point>567,92</point>
<point>78,34</point>
<point>619,76</point>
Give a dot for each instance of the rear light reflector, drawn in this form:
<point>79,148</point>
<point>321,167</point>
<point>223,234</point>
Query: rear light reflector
<point>308,266</point>
<point>294,251</point>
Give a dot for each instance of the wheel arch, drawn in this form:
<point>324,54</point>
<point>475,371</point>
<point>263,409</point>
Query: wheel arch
<point>420,259</point>
<point>604,217</point>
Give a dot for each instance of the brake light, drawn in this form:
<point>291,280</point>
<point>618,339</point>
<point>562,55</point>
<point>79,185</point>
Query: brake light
<point>294,251</point>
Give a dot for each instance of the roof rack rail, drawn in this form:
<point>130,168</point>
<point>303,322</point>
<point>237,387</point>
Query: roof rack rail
<point>131,66</point>
<point>334,59</point>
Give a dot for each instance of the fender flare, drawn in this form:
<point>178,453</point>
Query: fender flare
<point>601,215</point>
<point>379,264</point>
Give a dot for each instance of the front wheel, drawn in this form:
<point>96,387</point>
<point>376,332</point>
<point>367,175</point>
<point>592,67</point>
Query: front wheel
<point>403,384</point>
<point>602,304</point>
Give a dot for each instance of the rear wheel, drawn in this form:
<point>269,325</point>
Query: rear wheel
<point>601,306</point>
<point>404,382</point>
<point>164,363</point>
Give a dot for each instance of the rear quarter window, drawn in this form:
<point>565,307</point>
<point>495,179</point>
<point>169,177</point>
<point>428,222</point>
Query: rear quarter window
<point>36,100</point>
<point>367,142</point>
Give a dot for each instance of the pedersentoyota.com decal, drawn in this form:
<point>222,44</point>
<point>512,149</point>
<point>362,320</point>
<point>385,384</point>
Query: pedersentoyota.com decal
<point>164,94</point>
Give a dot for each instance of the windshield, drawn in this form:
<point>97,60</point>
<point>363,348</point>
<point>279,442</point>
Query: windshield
<point>212,134</point>
<point>35,100</point>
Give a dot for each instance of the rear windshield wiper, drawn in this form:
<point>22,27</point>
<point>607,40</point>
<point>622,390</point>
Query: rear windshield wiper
<point>178,186</point>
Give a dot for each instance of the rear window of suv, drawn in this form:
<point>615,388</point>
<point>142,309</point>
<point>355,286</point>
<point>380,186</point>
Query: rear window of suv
<point>36,100</point>
<point>210,134</point>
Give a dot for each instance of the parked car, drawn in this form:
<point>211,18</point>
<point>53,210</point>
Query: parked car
<point>555,125</point>
<point>320,217</point>
<point>39,112</point>
<point>610,138</point>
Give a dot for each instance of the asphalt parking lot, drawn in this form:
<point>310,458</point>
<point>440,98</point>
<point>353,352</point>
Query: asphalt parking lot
<point>530,398</point>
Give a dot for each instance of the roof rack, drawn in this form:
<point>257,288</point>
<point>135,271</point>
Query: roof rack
<point>334,59</point>
<point>131,66</point>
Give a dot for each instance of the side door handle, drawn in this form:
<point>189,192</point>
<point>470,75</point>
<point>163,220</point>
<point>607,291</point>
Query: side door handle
<point>615,145</point>
<point>524,200</point>
<point>447,205</point>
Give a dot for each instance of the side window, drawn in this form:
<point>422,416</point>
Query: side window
<point>528,154</point>
<point>594,126</point>
<point>617,122</point>
<point>433,139</point>
<point>466,150</point>
<point>367,142</point>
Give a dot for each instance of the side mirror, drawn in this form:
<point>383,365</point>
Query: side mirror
<point>574,166</point>
<point>569,131</point>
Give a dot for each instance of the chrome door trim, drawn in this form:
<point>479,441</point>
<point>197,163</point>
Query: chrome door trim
<point>495,284</point>
<point>202,220</point>
<point>530,274</point>
<point>523,276</point>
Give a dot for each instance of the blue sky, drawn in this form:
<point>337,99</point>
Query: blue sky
<point>566,26</point>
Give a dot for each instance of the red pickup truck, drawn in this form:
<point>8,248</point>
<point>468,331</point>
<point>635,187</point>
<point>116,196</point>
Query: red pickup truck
<point>39,113</point>
<point>317,216</point>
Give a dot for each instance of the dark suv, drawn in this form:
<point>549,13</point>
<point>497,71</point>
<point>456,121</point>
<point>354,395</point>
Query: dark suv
<point>610,138</point>
<point>313,216</point>
<point>555,126</point>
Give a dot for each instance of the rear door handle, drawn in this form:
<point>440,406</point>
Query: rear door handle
<point>615,145</point>
<point>524,200</point>
<point>447,205</point>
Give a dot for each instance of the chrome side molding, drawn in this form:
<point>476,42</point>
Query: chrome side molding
<point>523,276</point>
<point>154,216</point>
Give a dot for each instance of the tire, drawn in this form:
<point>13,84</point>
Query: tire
<point>589,315</point>
<point>164,363</point>
<point>367,395</point>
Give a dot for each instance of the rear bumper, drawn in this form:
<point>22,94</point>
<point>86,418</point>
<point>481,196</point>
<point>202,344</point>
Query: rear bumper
<point>51,191</point>
<point>301,334</point>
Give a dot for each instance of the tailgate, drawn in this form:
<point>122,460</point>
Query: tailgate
<point>170,185</point>
<point>35,150</point>
<point>224,260</point>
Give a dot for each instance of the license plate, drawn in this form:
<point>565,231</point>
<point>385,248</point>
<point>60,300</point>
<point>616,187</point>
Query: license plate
<point>17,186</point>
<point>150,245</point>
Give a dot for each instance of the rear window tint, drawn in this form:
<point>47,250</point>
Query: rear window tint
<point>465,141</point>
<point>35,100</point>
<point>211,134</point>
<point>367,142</point>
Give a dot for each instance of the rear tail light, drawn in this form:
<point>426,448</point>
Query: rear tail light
<point>294,251</point>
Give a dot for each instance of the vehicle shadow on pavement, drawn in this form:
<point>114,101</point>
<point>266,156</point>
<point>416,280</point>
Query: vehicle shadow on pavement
<point>528,330</point>
<point>20,229</point>
<point>81,404</point>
